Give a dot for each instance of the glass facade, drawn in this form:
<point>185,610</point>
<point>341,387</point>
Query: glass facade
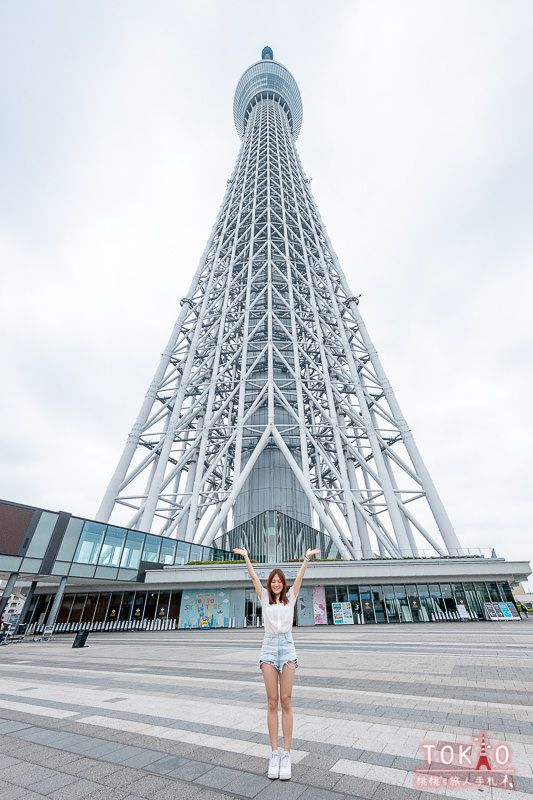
<point>95,550</point>
<point>272,537</point>
<point>415,602</point>
<point>109,611</point>
<point>267,79</point>
<point>156,609</point>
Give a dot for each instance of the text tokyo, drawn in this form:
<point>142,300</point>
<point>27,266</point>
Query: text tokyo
<point>461,755</point>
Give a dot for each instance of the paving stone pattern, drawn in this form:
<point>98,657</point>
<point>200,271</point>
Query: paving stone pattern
<point>181,714</point>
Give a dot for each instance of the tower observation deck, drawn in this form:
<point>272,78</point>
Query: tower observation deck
<point>270,397</point>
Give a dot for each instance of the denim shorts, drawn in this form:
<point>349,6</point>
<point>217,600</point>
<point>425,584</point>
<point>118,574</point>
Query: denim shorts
<point>278,649</point>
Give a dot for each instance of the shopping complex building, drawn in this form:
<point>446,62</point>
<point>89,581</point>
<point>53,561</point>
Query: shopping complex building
<point>80,574</point>
<point>270,424</point>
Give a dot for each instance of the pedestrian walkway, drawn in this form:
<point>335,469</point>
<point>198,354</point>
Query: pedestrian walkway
<point>182,714</point>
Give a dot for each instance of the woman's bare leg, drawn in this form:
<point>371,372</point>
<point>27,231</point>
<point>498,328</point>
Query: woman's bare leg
<point>270,677</point>
<point>286,680</point>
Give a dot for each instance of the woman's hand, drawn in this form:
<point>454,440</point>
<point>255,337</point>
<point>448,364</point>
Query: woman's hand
<point>299,578</point>
<point>240,551</point>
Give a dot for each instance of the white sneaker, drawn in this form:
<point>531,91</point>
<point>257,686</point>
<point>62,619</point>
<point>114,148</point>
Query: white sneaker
<point>285,767</point>
<point>273,764</point>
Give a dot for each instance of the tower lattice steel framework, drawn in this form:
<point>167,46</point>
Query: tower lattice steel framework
<point>270,394</point>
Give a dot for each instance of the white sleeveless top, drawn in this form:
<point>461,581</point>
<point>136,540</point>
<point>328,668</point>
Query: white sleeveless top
<point>277,618</point>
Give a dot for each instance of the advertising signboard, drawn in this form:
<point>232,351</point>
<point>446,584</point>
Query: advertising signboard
<point>342,613</point>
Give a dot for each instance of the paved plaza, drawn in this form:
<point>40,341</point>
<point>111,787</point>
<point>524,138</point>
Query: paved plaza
<point>182,714</point>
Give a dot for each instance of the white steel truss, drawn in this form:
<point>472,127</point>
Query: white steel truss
<point>270,386</point>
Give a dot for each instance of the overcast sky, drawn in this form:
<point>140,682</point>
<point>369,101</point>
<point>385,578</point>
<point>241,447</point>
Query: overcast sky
<point>116,141</point>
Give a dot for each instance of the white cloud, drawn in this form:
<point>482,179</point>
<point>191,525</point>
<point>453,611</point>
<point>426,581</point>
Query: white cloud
<point>116,148</point>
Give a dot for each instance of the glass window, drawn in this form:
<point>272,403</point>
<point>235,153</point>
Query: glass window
<point>391,604</point>
<point>482,590</point>
<point>90,542</point>
<point>182,553</point>
<point>426,604</point>
<point>127,606</point>
<point>196,552</point>
<point>70,540</point>
<point>353,599</point>
<point>114,607</point>
<point>379,604</point>
<point>61,568</point>
<point>494,593</point>
<point>450,606</point>
<point>101,608</point>
<point>112,547</point>
<point>131,556</point>
<point>30,564</point>
<point>41,536</point>
<point>162,605</point>
<point>41,608</point>
<point>168,549</point>
<point>151,548</point>
<point>110,573</point>
<point>473,599</point>
<point>150,608</point>
<point>208,554</point>
<point>175,603</point>
<point>342,594</point>
<point>506,593</point>
<point>82,570</point>
<point>127,575</point>
<point>138,607</point>
<point>401,596</point>
<point>64,611</point>
<point>331,597</point>
<point>90,608</point>
<point>77,608</point>
<point>437,601</point>
<point>414,603</point>
<point>367,604</point>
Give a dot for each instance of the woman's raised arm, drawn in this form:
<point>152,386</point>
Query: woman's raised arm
<point>256,582</point>
<point>299,578</point>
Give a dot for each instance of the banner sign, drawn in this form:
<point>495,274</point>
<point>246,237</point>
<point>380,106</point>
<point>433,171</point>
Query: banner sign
<point>319,605</point>
<point>342,613</point>
<point>500,611</point>
<point>513,610</point>
<point>208,609</point>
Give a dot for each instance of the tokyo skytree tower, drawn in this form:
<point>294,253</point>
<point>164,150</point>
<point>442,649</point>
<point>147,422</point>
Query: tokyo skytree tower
<point>270,396</point>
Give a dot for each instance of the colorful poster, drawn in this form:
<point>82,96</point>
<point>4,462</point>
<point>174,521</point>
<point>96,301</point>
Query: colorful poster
<point>206,609</point>
<point>347,613</point>
<point>319,605</point>
<point>342,613</point>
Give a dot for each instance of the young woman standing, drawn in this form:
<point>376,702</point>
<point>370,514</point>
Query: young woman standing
<point>278,660</point>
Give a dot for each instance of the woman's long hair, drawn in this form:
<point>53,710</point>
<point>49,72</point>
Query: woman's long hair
<point>283,596</point>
